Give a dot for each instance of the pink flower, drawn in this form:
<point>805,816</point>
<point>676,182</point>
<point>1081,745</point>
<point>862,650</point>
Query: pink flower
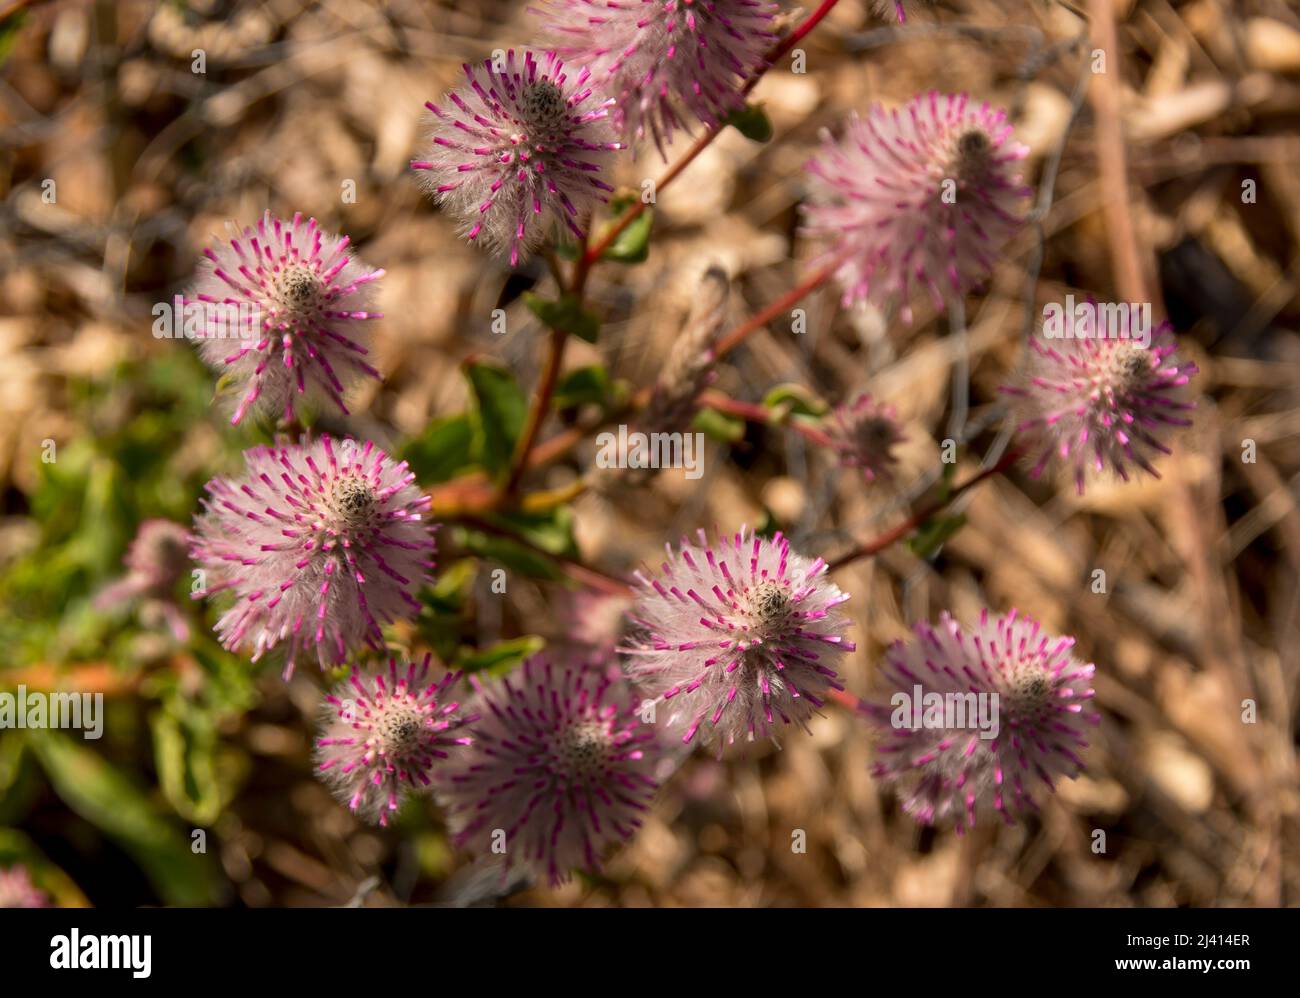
<point>156,560</point>
<point>517,152</point>
<point>926,194</point>
<point>734,637</point>
<point>283,309</point>
<point>560,770</point>
<point>320,548</point>
<point>947,768</point>
<point>863,433</point>
<point>1094,400</point>
<point>381,738</point>
<point>18,891</point>
<point>665,60</point>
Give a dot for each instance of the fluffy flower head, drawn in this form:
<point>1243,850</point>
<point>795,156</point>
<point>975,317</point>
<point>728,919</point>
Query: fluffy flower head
<point>518,150</point>
<point>321,545</point>
<point>1093,401</point>
<point>924,195</point>
<point>18,891</point>
<point>736,637</point>
<point>155,561</point>
<point>863,432</point>
<point>949,772</point>
<point>561,763</point>
<point>665,61</point>
<point>283,309</point>
<point>383,734</point>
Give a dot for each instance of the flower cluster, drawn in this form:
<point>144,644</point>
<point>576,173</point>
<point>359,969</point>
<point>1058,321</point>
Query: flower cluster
<point>561,768</point>
<point>1094,401</point>
<point>925,194</point>
<point>863,433</point>
<point>384,733</point>
<point>737,636</point>
<point>284,307</point>
<point>948,768</point>
<point>320,546</point>
<point>155,561</point>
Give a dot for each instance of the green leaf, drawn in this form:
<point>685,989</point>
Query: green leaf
<point>445,448</point>
<point>196,777</point>
<point>501,408</point>
<point>105,797</point>
<point>796,400</point>
<point>719,426</point>
<point>752,122</point>
<point>512,554</point>
<point>567,315</point>
<point>934,533</point>
<point>551,530</point>
<point>632,245</point>
<point>586,385</point>
<point>500,658</point>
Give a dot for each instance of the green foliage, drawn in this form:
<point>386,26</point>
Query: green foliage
<point>566,315</point>
<point>500,658</point>
<point>719,426</point>
<point>632,245</point>
<point>585,386</point>
<point>934,533</point>
<point>500,409</point>
<point>793,400</point>
<point>752,122</point>
<point>444,450</point>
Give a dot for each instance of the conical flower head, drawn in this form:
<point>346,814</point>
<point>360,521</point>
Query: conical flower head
<point>972,720</point>
<point>863,433</point>
<point>518,151</point>
<point>561,769</point>
<point>736,637</point>
<point>383,734</point>
<point>321,545</point>
<point>18,891</point>
<point>155,561</point>
<point>925,194</point>
<point>665,61</point>
<point>1097,400</point>
<point>284,308</point>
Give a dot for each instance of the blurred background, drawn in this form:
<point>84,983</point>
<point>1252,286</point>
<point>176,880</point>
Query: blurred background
<point>119,162</point>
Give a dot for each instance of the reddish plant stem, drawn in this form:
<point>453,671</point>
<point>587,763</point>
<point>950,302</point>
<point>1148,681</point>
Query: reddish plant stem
<point>537,411</point>
<point>762,317</point>
<point>575,568</point>
<point>901,530</point>
<point>698,146</point>
<point>755,413</point>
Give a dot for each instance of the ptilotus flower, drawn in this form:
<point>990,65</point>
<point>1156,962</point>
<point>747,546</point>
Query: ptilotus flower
<point>18,891</point>
<point>1093,401</point>
<point>561,769</point>
<point>518,151</point>
<point>155,561</point>
<point>863,433</point>
<point>951,748</point>
<point>665,61</point>
<point>284,307</point>
<point>921,195</point>
<point>383,735</point>
<point>736,637</point>
<point>320,545</point>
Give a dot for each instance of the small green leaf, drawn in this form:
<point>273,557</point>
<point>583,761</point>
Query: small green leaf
<point>105,797</point>
<point>586,385</point>
<point>796,400</point>
<point>445,448</point>
<point>719,426</point>
<point>566,315</point>
<point>501,408</point>
<point>752,122</point>
<point>934,533</point>
<point>632,245</point>
<point>510,553</point>
<point>500,658</point>
<point>9,28</point>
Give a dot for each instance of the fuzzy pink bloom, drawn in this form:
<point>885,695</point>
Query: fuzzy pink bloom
<point>320,546</point>
<point>925,194</point>
<point>383,735</point>
<point>947,772</point>
<point>155,561</point>
<point>737,636</point>
<point>1095,401</point>
<point>517,152</point>
<point>283,308</point>
<point>665,61</point>
<point>18,891</point>
<point>561,763</point>
<point>863,432</point>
